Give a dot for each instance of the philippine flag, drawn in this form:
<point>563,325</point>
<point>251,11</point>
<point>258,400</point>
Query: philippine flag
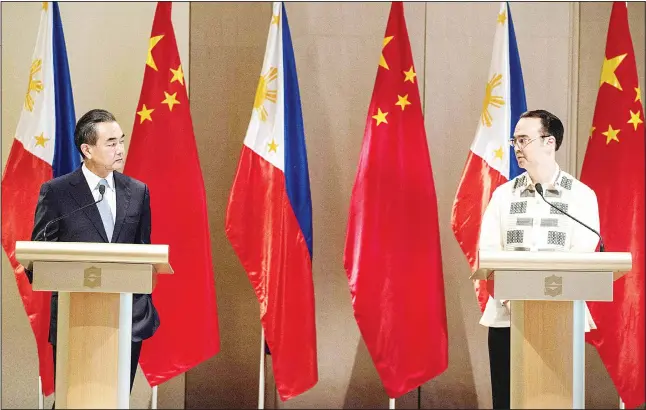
<point>43,147</point>
<point>269,215</point>
<point>491,160</point>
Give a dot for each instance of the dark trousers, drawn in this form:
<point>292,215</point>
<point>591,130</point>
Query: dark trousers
<point>135,351</point>
<point>499,365</point>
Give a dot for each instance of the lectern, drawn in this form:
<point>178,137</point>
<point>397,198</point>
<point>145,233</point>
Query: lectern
<point>95,284</point>
<point>548,291</point>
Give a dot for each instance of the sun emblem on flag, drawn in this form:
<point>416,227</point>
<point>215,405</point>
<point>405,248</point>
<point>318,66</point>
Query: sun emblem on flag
<point>34,85</point>
<point>263,93</point>
<point>491,100</point>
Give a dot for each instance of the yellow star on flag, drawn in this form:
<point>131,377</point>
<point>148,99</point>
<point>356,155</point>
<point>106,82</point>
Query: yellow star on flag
<point>592,130</point>
<point>380,117</point>
<point>170,100</point>
<point>153,42</point>
<point>41,140</point>
<point>144,114</point>
<point>634,119</point>
<point>273,147</point>
<point>403,102</point>
<point>275,19</point>
<point>178,75</point>
<point>382,60</point>
<point>410,75</point>
<point>608,72</point>
<point>638,97</point>
<point>502,17</point>
<point>611,135</point>
<point>498,153</point>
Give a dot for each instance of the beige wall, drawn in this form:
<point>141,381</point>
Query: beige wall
<point>106,45</point>
<point>337,46</point>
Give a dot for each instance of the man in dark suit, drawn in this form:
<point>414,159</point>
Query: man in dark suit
<point>122,216</point>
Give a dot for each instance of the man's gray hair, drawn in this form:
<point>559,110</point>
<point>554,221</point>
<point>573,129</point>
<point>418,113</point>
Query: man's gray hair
<point>85,132</point>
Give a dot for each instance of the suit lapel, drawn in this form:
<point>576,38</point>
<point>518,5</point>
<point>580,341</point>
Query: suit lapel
<point>82,195</point>
<point>123,201</point>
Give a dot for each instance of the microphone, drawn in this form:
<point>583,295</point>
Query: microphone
<point>101,192</point>
<point>539,189</point>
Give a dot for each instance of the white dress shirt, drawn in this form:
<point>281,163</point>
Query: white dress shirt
<point>517,219</point>
<point>110,192</point>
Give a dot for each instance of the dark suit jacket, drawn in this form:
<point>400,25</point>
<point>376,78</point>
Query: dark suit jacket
<point>64,194</point>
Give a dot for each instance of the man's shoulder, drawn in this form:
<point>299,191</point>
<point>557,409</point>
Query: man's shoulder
<point>130,181</point>
<point>514,183</point>
<point>63,181</point>
<point>505,191</point>
<point>569,182</point>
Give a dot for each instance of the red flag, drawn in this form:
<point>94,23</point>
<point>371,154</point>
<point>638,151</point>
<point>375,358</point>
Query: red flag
<point>392,252</point>
<point>163,154</point>
<point>614,169</point>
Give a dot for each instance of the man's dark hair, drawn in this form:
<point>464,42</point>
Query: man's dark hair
<point>85,132</point>
<point>550,122</point>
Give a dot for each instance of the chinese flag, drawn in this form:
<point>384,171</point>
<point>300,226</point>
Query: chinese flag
<point>614,168</point>
<point>163,154</point>
<point>392,253</point>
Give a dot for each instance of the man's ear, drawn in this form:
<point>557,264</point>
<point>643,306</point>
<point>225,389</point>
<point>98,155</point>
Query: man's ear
<point>87,153</point>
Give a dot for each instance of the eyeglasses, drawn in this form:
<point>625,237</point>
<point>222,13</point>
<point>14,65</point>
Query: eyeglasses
<point>522,142</point>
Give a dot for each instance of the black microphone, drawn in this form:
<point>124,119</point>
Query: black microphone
<point>539,189</point>
<point>101,192</point>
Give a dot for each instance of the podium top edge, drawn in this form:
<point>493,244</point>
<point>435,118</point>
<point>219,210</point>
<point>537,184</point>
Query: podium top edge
<point>103,246</point>
<point>29,251</point>
<point>561,261</point>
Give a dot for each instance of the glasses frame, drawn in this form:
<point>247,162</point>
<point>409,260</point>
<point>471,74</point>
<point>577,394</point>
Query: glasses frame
<point>513,143</point>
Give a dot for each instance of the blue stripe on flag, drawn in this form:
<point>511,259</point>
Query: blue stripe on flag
<point>66,156</point>
<point>296,171</point>
<point>517,91</point>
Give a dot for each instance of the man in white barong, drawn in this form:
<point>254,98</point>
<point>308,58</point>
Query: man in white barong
<point>518,219</point>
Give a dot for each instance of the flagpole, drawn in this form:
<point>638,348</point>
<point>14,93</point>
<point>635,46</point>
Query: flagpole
<point>391,403</point>
<point>153,405</point>
<point>261,381</point>
<point>41,400</point>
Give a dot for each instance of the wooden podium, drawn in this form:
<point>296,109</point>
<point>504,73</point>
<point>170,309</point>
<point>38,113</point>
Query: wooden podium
<point>548,291</point>
<point>95,283</point>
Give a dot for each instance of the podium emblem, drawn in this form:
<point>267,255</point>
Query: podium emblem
<point>553,286</point>
<point>92,277</point>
